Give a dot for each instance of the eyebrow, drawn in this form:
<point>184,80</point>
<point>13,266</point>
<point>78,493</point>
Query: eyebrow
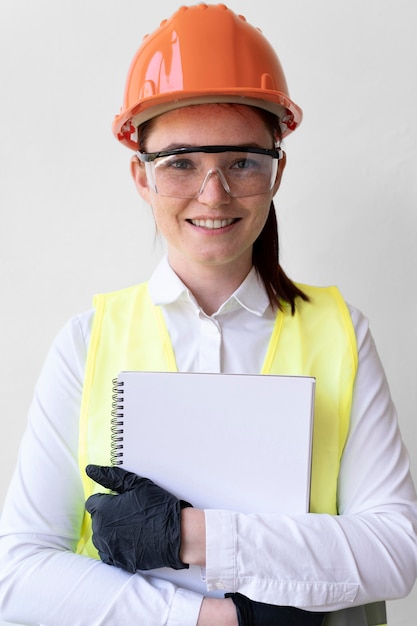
<point>176,146</point>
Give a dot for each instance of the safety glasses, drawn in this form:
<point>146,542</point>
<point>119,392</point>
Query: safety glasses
<point>184,172</point>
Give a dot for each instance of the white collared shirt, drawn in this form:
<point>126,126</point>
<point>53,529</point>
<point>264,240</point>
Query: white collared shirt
<point>234,339</point>
<point>369,551</point>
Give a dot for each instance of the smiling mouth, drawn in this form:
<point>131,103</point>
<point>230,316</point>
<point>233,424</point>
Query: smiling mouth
<point>213,224</point>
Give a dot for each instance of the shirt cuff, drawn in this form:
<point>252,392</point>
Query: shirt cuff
<point>185,608</point>
<point>221,538</point>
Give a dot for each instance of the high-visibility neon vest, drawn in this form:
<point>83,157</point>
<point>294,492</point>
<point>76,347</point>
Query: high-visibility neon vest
<point>129,333</point>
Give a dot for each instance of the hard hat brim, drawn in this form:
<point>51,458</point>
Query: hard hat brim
<point>124,125</point>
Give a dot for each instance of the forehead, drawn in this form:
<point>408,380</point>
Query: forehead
<point>207,124</point>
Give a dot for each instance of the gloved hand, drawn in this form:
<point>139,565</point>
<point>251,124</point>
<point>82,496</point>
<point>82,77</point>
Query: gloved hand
<point>138,529</point>
<point>251,613</point>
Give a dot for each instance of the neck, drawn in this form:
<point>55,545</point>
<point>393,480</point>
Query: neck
<point>211,286</point>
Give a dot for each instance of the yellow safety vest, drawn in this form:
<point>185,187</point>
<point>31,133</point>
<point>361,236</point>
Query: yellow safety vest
<point>129,333</point>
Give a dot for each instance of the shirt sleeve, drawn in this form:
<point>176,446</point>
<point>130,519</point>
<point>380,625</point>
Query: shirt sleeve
<point>316,561</point>
<point>42,580</point>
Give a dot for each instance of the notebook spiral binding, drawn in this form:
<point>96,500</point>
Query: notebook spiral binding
<point>116,449</point>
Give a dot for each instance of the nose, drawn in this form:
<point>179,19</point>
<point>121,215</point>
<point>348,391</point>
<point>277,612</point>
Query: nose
<point>214,188</point>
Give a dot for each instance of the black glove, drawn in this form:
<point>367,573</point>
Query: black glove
<point>138,529</point>
<point>250,613</point>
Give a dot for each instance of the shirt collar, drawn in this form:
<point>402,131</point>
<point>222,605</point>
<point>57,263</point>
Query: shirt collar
<point>165,287</point>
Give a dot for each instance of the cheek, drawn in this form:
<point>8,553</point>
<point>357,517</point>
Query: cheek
<point>159,219</point>
<point>165,213</point>
<point>261,217</point>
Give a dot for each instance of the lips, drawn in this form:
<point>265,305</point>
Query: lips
<point>213,224</point>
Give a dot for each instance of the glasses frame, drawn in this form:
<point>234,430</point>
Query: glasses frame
<point>147,157</point>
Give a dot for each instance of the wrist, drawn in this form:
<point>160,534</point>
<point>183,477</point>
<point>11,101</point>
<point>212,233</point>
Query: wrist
<point>193,537</point>
<point>217,612</point>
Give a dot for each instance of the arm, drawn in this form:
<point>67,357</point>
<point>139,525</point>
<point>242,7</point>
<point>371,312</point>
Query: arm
<point>137,527</point>
<point>368,552</point>
<point>193,537</point>
<point>215,612</point>
<point>41,579</point>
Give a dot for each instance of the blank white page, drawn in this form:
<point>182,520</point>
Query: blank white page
<point>237,442</point>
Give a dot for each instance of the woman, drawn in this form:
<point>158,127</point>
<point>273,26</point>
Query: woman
<point>206,124</point>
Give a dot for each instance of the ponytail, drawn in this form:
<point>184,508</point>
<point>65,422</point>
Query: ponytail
<point>265,259</point>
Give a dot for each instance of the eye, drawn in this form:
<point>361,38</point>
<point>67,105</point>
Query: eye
<point>244,164</point>
<point>176,163</point>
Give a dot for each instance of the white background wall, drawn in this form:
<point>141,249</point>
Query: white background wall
<point>72,225</point>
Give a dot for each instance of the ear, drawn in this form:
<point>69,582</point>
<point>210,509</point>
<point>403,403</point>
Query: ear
<point>281,167</point>
<point>137,170</point>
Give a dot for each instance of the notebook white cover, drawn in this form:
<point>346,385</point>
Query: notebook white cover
<point>237,442</point>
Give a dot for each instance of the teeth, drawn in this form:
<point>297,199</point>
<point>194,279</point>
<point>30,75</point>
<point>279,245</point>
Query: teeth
<point>212,224</point>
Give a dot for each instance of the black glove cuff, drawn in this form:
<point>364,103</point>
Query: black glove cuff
<point>251,613</point>
<point>243,608</point>
<point>173,537</point>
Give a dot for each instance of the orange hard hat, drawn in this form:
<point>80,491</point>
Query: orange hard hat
<point>203,53</point>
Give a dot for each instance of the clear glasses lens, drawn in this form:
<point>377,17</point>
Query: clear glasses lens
<point>185,176</point>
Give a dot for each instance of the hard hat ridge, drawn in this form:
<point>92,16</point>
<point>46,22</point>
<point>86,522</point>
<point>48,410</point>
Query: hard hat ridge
<point>203,53</point>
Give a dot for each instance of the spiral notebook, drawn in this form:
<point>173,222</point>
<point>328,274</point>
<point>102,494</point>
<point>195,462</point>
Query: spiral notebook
<point>236,442</point>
